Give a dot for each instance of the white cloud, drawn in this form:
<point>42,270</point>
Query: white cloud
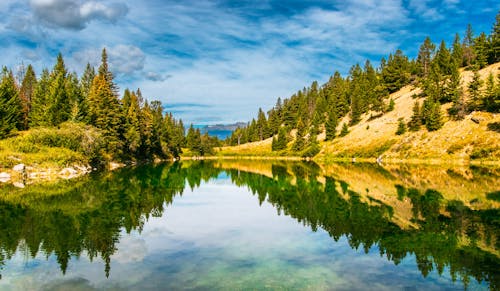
<point>123,59</point>
<point>73,14</point>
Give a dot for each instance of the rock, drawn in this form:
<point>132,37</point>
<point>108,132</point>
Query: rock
<point>19,168</point>
<point>476,119</point>
<point>68,172</point>
<point>4,177</point>
<point>114,166</point>
<point>18,184</point>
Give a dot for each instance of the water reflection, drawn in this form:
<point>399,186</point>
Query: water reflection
<point>393,209</point>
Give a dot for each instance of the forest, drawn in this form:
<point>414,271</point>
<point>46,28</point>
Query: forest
<point>366,90</point>
<point>87,115</point>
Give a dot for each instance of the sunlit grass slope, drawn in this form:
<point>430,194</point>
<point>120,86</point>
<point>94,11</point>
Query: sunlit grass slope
<point>473,138</point>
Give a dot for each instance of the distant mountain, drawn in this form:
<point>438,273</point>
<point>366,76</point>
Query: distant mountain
<point>221,130</point>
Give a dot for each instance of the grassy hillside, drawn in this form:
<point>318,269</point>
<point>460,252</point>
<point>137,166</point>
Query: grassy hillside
<point>476,137</point>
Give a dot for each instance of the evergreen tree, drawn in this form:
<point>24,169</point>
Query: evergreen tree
<point>495,41</point>
<point>86,80</point>
<point>416,118</point>
<point>469,56</point>
<point>281,141</point>
<point>58,102</point>
<point>11,111</point>
<point>396,73</point>
<point>193,140</point>
<point>357,94</point>
<point>491,100</point>
<point>344,131</point>
<point>455,94</point>
<point>39,105</point>
<point>457,53</point>
<point>391,105</point>
<point>78,103</point>
<point>299,143</point>
<point>401,126</point>
<point>133,127</point>
<point>262,127</point>
<point>481,50</point>
<point>331,126</point>
<point>104,108</point>
<point>475,94</point>
<point>432,115</point>
<point>26,94</point>
<point>425,56</point>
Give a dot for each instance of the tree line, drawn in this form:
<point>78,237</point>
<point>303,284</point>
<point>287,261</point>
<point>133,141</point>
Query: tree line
<point>133,128</point>
<point>367,89</point>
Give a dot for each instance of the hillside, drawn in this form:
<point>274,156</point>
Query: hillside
<point>474,137</point>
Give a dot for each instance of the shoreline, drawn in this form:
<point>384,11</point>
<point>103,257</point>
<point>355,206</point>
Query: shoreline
<point>22,175</point>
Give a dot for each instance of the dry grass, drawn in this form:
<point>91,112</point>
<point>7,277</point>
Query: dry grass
<point>456,141</point>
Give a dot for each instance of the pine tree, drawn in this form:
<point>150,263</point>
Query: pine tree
<point>454,93</point>
<point>11,111</point>
<point>401,126</point>
<point>396,73</point>
<point>457,53</point>
<point>26,93</point>
<point>491,100</point>
<point>475,94</point>
<point>262,127</point>
<point>344,131</point>
<point>281,141</point>
<point>495,41</point>
<point>86,80</point>
<point>104,108</point>
<point>133,127</point>
<point>59,106</point>
<point>331,126</point>
<point>78,104</point>
<point>469,56</point>
<point>481,50</point>
<point>391,105</point>
<point>425,56</point>
<point>39,103</point>
<point>416,118</point>
<point>433,115</point>
<point>299,143</point>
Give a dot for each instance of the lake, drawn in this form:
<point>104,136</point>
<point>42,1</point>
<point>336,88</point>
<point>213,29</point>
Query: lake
<point>231,225</point>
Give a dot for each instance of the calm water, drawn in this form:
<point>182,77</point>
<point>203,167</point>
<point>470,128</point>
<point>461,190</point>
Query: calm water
<point>247,225</point>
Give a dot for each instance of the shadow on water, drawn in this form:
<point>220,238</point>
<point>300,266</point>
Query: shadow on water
<point>366,204</point>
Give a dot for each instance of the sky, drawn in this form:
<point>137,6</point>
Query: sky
<point>218,61</point>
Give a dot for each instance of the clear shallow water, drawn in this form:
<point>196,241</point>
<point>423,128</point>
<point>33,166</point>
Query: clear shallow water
<point>196,226</point>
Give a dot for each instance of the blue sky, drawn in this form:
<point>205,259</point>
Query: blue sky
<point>219,61</point>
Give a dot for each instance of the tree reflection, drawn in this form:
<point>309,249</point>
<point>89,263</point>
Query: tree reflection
<point>86,216</point>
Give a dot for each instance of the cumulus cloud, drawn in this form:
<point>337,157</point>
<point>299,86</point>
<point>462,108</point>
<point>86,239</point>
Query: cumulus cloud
<point>74,14</point>
<point>123,59</point>
<point>126,59</point>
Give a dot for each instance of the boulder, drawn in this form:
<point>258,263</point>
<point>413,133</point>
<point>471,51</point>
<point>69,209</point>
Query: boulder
<point>19,168</point>
<point>4,177</point>
<point>68,172</point>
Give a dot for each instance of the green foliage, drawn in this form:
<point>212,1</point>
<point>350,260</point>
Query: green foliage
<point>279,143</point>
<point>401,127</point>
<point>344,131</point>
<point>331,126</point>
<point>475,94</point>
<point>391,105</point>
<point>396,73</point>
<point>431,115</point>
<point>26,93</point>
<point>416,118</point>
<point>10,104</point>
